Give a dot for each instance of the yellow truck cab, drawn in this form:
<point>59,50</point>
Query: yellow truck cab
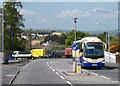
<point>36,53</point>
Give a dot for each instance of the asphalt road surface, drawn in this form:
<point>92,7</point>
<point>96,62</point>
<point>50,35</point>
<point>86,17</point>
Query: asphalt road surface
<point>38,72</point>
<point>108,71</point>
<point>55,71</point>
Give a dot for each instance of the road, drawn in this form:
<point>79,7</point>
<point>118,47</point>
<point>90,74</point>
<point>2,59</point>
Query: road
<point>53,71</point>
<point>109,72</point>
<point>37,72</point>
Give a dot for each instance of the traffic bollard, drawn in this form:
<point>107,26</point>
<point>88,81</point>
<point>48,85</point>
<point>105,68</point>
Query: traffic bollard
<point>78,67</point>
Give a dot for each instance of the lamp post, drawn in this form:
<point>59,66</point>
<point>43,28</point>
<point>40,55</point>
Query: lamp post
<point>75,21</point>
<point>107,39</point>
<point>107,14</point>
<point>74,63</point>
<point>106,33</point>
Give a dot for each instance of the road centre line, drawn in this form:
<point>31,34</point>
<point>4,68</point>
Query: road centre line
<point>62,77</point>
<point>94,73</point>
<point>57,73</point>
<point>48,64</point>
<point>69,82</point>
<point>53,70</point>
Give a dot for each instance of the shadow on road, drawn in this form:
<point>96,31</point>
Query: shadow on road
<point>103,68</point>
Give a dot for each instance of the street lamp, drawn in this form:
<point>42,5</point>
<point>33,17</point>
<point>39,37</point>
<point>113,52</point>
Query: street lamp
<point>74,63</point>
<point>107,39</point>
<point>75,21</point>
<point>107,14</point>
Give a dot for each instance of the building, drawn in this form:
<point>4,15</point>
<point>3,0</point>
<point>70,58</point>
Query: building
<point>58,33</point>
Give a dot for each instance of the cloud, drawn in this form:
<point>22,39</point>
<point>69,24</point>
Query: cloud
<point>72,13</point>
<point>27,12</point>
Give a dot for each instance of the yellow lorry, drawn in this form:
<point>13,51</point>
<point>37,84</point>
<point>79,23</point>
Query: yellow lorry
<point>38,53</point>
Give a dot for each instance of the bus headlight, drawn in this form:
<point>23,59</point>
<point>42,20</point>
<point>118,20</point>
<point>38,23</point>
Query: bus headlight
<point>103,62</point>
<point>85,62</point>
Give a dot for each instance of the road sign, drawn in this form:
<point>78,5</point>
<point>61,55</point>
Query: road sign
<point>75,47</point>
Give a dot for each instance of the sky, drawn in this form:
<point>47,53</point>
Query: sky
<point>59,15</point>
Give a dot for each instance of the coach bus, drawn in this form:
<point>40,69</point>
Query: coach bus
<point>90,52</point>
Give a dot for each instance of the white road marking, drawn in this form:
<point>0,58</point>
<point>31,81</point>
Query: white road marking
<point>69,82</point>
<point>53,70</point>
<point>57,73</point>
<point>105,77</point>
<point>94,73</point>
<point>48,64</point>
<point>10,75</point>
<point>62,77</point>
<point>116,81</point>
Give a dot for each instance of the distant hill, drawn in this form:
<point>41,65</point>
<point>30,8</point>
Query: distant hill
<point>112,32</point>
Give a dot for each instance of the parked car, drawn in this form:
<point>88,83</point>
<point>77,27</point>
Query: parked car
<point>54,55</point>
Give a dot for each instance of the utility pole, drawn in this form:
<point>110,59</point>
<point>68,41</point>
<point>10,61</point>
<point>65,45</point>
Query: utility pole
<point>5,59</point>
<point>30,39</point>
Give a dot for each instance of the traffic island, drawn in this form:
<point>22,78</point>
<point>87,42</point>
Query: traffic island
<point>71,73</point>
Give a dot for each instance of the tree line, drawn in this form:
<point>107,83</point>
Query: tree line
<point>68,39</point>
<point>12,26</point>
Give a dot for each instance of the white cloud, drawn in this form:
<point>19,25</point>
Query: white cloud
<point>72,13</point>
<point>27,12</point>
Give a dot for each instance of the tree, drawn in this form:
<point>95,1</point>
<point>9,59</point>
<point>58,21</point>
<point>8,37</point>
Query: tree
<point>102,37</point>
<point>54,38</point>
<point>70,36</point>
<point>13,23</point>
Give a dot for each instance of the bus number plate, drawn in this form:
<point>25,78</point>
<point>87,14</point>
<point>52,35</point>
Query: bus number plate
<point>94,64</point>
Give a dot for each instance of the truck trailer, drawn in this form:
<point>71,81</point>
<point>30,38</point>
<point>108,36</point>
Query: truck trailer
<point>38,53</point>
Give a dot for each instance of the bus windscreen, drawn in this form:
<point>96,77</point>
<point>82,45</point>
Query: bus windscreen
<point>94,50</point>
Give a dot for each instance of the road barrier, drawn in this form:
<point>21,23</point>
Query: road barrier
<point>114,58</point>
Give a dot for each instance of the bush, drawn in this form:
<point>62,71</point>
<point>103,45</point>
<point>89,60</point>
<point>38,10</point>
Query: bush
<point>114,47</point>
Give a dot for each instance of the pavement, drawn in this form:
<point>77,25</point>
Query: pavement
<point>111,64</point>
<point>10,70</point>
